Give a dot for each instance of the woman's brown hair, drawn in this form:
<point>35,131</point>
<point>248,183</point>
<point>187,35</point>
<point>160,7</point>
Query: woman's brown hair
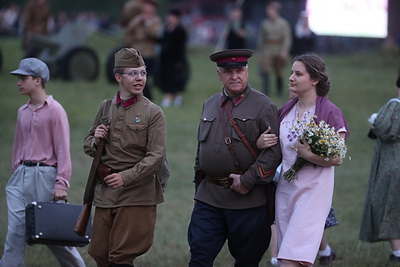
<point>316,68</point>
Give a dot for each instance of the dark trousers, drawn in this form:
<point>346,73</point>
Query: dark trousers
<point>247,231</point>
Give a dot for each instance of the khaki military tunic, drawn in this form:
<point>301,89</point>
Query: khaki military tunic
<point>130,10</point>
<point>275,37</point>
<point>135,147</point>
<point>143,35</point>
<point>36,18</point>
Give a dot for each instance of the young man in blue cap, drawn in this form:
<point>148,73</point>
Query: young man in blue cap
<point>230,177</point>
<point>41,162</point>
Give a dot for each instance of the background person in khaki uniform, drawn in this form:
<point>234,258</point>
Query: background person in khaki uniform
<point>130,10</point>
<point>231,184</point>
<point>36,16</point>
<point>128,190</point>
<point>142,32</point>
<point>274,43</point>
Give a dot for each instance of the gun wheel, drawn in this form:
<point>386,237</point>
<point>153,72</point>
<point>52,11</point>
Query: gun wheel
<point>80,63</point>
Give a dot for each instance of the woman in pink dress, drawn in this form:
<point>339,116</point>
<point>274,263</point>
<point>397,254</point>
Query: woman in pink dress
<point>303,204</point>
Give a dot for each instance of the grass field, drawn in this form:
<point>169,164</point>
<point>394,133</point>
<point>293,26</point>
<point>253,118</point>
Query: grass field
<point>361,84</point>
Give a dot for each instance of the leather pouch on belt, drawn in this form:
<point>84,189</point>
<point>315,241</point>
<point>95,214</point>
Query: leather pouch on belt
<point>102,172</point>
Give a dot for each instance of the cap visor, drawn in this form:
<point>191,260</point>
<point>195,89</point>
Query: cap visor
<point>20,72</point>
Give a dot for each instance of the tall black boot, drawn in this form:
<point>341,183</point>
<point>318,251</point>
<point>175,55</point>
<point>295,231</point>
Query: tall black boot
<point>265,82</point>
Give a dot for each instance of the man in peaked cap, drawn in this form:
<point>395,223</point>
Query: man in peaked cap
<point>41,171</point>
<point>231,174</point>
<point>127,190</point>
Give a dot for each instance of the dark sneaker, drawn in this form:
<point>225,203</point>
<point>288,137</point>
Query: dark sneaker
<point>327,260</point>
<point>393,258</point>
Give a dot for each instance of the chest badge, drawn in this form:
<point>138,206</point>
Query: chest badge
<point>137,119</point>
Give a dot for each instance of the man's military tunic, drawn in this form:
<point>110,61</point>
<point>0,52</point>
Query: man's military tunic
<point>254,112</point>
<point>136,148</point>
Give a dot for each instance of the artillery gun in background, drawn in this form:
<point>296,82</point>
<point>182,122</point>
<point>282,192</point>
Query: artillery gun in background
<point>65,52</point>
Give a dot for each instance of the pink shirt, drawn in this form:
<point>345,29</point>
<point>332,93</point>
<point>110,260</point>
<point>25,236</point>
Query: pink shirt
<point>42,135</point>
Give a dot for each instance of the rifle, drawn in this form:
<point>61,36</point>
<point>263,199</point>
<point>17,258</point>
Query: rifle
<point>83,219</point>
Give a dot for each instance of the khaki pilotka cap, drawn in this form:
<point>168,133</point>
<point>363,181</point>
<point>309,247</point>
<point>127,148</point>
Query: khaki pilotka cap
<point>128,58</point>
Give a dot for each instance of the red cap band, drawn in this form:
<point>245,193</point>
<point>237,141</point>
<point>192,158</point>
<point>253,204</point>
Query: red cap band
<point>231,60</point>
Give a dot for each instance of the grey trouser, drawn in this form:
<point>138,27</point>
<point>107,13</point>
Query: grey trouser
<point>29,184</point>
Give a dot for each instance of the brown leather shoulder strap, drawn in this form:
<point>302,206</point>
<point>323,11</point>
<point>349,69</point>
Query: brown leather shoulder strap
<point>240,133</point>
<point>227,139</point>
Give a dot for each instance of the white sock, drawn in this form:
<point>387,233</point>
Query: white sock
<point>178,101</point>
<point>166,103</point>
<point>274,261</point>
<point>396,253</point>
<point>326,252</point>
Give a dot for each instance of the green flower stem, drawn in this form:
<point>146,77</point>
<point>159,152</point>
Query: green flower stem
<point>298,164</point>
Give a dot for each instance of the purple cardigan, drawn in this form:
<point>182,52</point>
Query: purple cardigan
<point>324,110</point>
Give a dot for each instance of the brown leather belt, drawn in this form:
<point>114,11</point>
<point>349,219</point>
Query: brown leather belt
<point>29,163</point>
<point>103,171</point>
<point>220,181</point>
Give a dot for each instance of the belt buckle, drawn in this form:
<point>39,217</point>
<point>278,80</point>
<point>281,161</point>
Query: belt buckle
<point>227,140</point>
<point>29,163</point>
<point>224,182</point>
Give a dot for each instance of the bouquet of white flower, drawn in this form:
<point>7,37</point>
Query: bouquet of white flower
<point>323,140</point>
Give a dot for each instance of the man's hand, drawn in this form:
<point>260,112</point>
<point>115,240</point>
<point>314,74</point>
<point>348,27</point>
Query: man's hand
<point>114,180</point>
<point>237,184</point>
<point>59,194</point>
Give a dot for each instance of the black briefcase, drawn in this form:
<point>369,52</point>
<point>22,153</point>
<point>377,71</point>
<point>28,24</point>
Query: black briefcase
<point>52,223</point>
